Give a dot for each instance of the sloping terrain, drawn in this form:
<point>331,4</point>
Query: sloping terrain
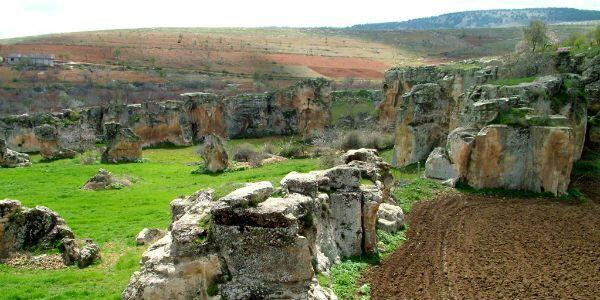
<point>463,246</point>
<point>489,19</point>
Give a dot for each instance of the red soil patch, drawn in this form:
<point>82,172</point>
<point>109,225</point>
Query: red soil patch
<point>463,246</point>
<point>333,66</point>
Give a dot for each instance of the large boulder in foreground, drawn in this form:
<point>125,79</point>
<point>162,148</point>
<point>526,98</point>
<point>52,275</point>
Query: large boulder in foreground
<point>122,144</point>
<point>214,154</point>
<point>23,229</point>
<point>12,159</point>
<point>253,244</point>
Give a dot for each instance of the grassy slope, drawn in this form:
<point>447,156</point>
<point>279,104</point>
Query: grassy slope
<point>112,218</point>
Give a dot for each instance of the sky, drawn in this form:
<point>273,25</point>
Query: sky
<point>33,17</point>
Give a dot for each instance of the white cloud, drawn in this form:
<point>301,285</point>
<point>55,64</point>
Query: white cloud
<point>29,17</point>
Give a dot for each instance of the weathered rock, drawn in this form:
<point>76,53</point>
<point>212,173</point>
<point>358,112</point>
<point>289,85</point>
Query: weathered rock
<point>122,144</point>
<point>252,245</point>
<point>214,154</point>
<point>50,148</point>
<point>438,166</point>
<point>148,236</point>
<point>593,133</point>
<point>539,159</point>
<point>23,228</point>
<point>105,180</point>
<point>12,159</point>
<point>390,218</point>
<point>422,123</point>
<point>83,253</point>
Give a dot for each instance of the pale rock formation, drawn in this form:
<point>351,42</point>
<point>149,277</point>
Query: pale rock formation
<point>122,144</point>
<point>12,159</point>
<point>214,154</point>
<point>50,148</point>
<point>252,244</point>
<point>82,253</point>
<point>390,218</point>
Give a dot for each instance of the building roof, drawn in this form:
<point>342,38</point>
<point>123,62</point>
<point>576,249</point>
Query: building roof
<point>32,56</point>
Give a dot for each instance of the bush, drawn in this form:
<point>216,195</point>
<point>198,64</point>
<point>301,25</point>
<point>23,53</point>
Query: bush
<point>328,159</point>
<point>245,153</point>
<point>351,140</point>
<point>89,157</point>
<point>269,148</point>
<point>292,150</point>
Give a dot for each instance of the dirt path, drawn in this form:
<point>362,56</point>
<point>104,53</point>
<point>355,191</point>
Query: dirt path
<point>463,246</point>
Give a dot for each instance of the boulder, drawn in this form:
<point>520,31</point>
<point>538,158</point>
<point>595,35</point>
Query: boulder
<point>305,184</point>
<point>12,159</point>
<point>49,141</point>
<point>104,180</point>
<point>23,229</point>
<point>438,165</point>
<point>82,253</point>
<point>148,236</point>
<point>122,144</point>
<point>214,154</point>
<point>390,218</point>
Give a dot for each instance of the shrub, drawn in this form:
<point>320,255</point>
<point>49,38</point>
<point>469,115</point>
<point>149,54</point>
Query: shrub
<point>89,157</point>
<point>292,150</point>
<point>269,148</point>
<point>245,153</point>
<point>351,140</point>
<point>327,159</point>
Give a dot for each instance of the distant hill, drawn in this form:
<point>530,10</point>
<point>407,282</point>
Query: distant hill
<point>488,19</point>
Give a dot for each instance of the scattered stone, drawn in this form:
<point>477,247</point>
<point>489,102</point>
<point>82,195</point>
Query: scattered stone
<point>148,236</point>
<point>390,218</point>
<point>37,262</point>
<point>104,180</point>
<point>12,159</point>
<point>214,154</point>
<point>122,144</point>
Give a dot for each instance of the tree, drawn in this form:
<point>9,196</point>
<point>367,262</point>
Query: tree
<point>596,35</point>
<point>536,34</point>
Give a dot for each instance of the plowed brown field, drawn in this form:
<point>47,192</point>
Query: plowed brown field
<point>463,246</point>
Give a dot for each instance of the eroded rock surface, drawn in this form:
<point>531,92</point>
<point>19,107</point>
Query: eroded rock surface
<point>214,154</point>
<point>252,244</point>
<point>122,144</point>
<point>105,180</point>
<point>148,235</point>
<point>12,159</point>
<point>50,148</point>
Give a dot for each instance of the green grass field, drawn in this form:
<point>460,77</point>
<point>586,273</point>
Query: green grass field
<point>112,218</point>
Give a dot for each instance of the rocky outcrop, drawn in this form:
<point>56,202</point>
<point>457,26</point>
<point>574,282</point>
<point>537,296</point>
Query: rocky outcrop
<point>303,109</point>
<point>148,236</point>
<point>12,159</point>
<point>253,244</point>
<point>390,218</point>
<point>104,180</point>
<point>23,228</point>
<point>50,148</point>
<point>214,154</point>
<point>122,144</point>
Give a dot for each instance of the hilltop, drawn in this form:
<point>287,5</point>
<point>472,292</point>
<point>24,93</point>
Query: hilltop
<point>488,19</point>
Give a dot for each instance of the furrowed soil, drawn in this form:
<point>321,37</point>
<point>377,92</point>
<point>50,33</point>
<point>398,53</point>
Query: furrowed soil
<point>464,246</point>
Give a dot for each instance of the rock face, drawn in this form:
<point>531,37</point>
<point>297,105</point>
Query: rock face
<point>23,228</point>
<point>104,180</point>
<point>214,154</point>
<point>122,144</point>
<point>302,109</point>
<point>12,159</point>
<point>50,149</point>
<point>252,244</point>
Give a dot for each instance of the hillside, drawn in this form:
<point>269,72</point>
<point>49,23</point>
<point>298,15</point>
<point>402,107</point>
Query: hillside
<point>488,19</point>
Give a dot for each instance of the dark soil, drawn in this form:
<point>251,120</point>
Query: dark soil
<point>462,246</point>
